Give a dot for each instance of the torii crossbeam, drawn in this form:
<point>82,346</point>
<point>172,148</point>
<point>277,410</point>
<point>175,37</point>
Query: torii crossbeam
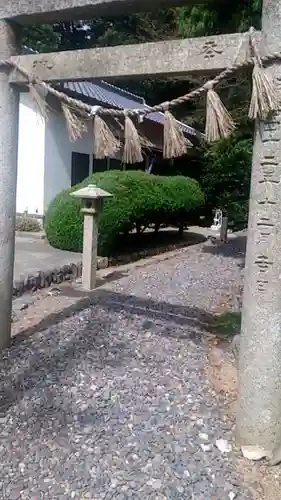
<point>158,59</point>
<point>259,421</point>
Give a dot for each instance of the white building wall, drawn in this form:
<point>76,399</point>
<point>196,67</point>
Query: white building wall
<point>58,153</point>
<point>45,156</point>
<point>31,157</point>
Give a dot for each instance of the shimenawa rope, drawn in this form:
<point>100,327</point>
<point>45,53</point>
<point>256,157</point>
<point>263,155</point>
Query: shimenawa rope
<point>218,121</point>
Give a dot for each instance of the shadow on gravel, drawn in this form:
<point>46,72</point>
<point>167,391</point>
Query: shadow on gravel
<point>43,361</point>
<point>116,301</point>
<point>234,248</point>
<point>153,312</point>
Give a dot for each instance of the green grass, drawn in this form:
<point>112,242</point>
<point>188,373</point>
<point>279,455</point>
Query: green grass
<point>227,324</point>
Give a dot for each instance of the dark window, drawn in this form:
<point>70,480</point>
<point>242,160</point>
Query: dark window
<point>115,164</point>
<point>80,166</point>
<point>100,165</point>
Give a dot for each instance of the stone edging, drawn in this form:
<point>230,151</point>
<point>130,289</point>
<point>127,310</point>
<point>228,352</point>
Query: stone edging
<point>149,252</point>
<point>44,279</point>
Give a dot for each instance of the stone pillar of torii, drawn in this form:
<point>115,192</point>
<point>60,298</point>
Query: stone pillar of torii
<point>259,409</point>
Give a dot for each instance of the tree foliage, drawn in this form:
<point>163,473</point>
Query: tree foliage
<point>199,20</point>
<point>225,175</point>
<point>215,17</point>
<point>41,38</point>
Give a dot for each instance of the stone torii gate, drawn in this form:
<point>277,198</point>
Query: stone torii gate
<point>259,414</point>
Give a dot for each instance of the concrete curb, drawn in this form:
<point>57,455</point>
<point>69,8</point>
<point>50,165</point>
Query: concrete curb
<point>40,235</point>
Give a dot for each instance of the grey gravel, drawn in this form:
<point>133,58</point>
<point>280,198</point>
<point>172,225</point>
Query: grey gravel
<point>112,403</point>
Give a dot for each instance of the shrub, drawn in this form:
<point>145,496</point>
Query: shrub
<point>139,200</point>
<point>28,224</point>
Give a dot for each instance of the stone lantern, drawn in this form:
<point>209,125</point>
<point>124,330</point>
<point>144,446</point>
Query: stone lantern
<point>92,205</point>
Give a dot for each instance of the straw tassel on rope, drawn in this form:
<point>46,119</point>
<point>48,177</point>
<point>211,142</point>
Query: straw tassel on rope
<point>76,125</point>
<point>105,142</point>
<point>219,123</point>
<point>132,147</point>
<point>175,143</point>
<point>264,100</point>
<point>38,95</point>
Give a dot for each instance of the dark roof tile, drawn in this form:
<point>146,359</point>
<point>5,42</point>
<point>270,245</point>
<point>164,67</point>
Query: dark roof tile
<point>110,95</point>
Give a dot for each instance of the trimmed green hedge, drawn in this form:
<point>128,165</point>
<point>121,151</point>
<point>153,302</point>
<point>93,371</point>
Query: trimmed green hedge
<point>139,200</point>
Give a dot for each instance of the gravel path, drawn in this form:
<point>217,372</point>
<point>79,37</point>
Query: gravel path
<point>113,403</point>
